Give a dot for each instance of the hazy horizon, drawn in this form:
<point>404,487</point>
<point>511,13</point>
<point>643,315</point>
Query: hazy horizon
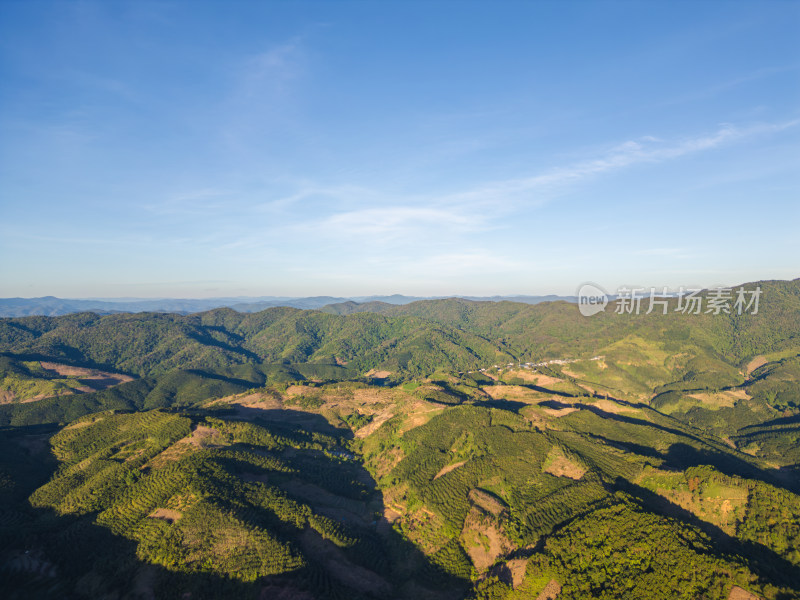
<point>273,297</point>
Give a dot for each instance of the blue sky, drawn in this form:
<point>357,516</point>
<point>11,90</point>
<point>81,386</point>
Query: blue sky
<point>198,149</point>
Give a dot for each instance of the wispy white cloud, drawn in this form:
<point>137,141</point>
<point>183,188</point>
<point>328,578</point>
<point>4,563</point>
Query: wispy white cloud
<point>465,262</point>
<point>346,212</point>
<point>338,212</point>
<point>730,84</point>
<point>200,201</point>
<point>646,149</point>
<point>342,195</point>
<point>270,71</point>
<point>665,252</point>
<point>259,96</point>
<point>397,220</point>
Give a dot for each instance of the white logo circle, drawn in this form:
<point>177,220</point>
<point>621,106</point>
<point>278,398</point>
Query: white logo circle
<point>592,299</point>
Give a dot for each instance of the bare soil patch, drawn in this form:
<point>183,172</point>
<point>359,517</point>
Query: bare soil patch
<point>375,374</point>
<point>374,395</point>
<point>517,567</point>
<point>486,501</point>
<point>526,375</point>
<point>570,373</point>
<point>724,399</point>
<point>558,412</point>
<point>385,524</point>
<point>390,514</point>
<point>738,593</point>
<point>300,390</point>
<point>614,407</point>
<point>758,361</point>
<point>531,413</point>
<point>80,424</point>
<point>560,466</point>
<point>419,413</point>
<point>377,420</point>
<point>84,389</point>
<point>447,469</point>
<point>9,397</point>
<point>202,436</point>
<point>167,514</point>
<point>387,461</point>
<point>511,572</point>
<point>720,509</point>
<point>93,378</point>
<point>513,392</point>
<point>550,591</point>
<point>256,400</point>
<point>545,380</point>
<point>483,539</point>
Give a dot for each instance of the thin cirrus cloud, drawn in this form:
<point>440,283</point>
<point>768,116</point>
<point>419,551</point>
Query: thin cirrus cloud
<point>259,95</point>
<point>665,252</point>
<point>339,213</point>
<point>458,262</point>
<point>647,149</point>
<point>729,84</point>
<point>397,220</point>
<point>476,208</point>
<point>270,71</point>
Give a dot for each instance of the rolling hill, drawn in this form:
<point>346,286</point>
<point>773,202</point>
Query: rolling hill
<point>442,449</point>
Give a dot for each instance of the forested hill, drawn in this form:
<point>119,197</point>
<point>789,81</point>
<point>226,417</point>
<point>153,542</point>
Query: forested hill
<point>557,329</point>
<point>153,343</point>
<point>417,338</point>
<point>445,450</point>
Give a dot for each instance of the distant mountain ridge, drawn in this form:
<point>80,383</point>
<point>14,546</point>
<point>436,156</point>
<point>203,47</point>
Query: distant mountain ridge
<point>52,306</point>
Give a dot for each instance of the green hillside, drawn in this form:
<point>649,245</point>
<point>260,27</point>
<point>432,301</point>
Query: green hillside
<point>152,344</point>
<point>443,449</point>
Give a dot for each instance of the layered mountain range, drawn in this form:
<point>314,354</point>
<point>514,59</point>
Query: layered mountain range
<point>441,448</point>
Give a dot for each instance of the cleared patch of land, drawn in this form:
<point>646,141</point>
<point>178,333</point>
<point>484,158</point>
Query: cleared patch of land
<point>550,591</point>
<point>758,361</point>
<point>36,380</point>
<point>483,539</point>
<point>447,469</point>
<point>715,503</point>
<point>93,378</point>
<point>202,436</point>
<point>486,501</point>
<point>559,465</point>
<point>376,374</point>
<point>515,392</point>
<point>559,412</point>
<point>516,568</point>
<point>724,399</point>
<point>738,593</point>
<point>167,514</point>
